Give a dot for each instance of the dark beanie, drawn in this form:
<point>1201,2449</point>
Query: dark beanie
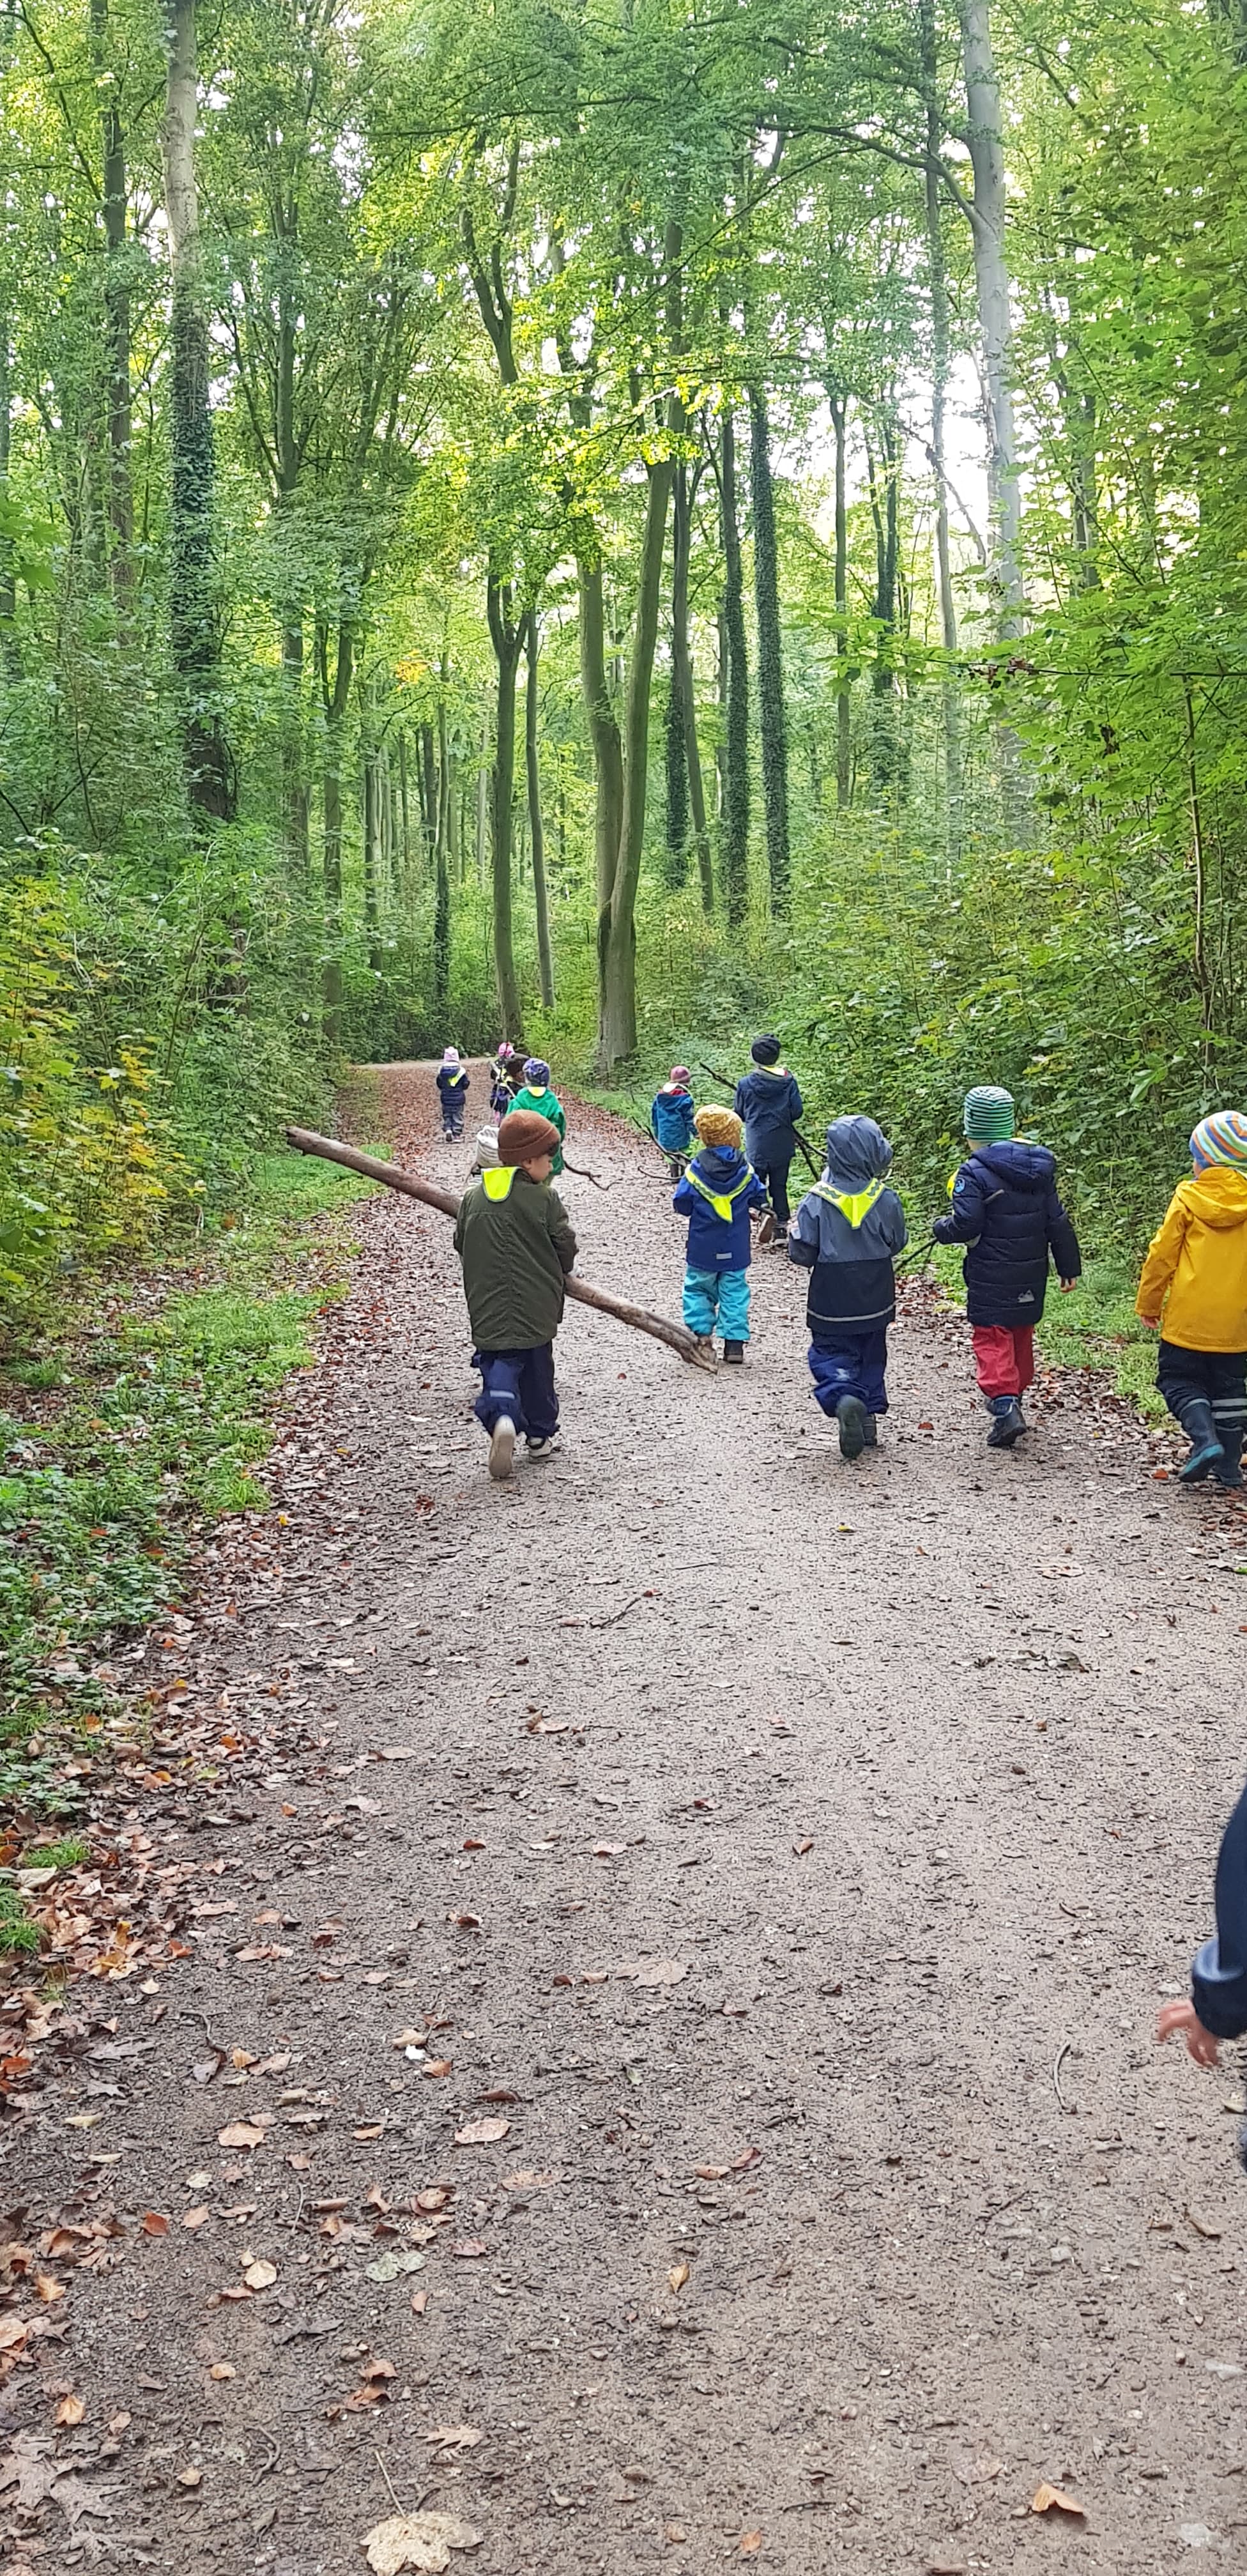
<point>523,1135</point>
<point>765,1050</point>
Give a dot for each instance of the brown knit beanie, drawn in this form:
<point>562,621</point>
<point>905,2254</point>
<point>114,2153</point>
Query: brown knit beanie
<point>718,1126</point>
<point>523,1136</point>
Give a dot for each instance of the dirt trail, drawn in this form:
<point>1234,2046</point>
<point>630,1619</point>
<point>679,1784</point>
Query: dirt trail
<point>911,1772</point>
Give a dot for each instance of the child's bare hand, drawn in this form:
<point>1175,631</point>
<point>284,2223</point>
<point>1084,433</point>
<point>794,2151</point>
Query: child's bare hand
<point>1183,2018</point>
<point>1066,1285</point>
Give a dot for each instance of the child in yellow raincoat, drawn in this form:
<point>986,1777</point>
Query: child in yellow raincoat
<point>1196,1271</point>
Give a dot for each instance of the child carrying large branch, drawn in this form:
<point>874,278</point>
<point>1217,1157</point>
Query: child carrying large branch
<point>516,1246</point>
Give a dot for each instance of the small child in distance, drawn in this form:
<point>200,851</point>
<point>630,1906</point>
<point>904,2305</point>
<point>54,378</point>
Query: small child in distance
<point>671,1119</point>
<point>453,1086</point>
<point>537,1100</point>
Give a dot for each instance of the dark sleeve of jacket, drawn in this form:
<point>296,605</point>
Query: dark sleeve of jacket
<point>795,1102</point>
<point>892,1218</point>
<point>964,1221</point>
<point>1063,1239</point>
<point>741,1101</point>
<point>561,1236</point>
<point>1219,1974</point>
<point>803,1235</point>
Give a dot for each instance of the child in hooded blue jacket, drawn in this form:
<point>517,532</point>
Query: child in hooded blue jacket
<point>769,1101</point>
<point>716,1194</point>
<point>847,1233</point>
<point>671,1119</point>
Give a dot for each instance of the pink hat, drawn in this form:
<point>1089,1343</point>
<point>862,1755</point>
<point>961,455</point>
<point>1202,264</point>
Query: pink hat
<point>451,1055</point>
<point>680,1073</point>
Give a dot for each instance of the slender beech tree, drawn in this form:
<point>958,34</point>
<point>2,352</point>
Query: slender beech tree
<point>735,862</point>
<point>194,630</point>
<point>536,824</point>
<point>772,717</point>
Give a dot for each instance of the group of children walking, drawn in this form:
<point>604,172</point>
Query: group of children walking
<point>731,1166</point>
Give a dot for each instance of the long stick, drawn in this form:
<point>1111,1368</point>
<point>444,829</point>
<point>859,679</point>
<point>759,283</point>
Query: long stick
<point>725,1083</point>
<point>305,1141</point>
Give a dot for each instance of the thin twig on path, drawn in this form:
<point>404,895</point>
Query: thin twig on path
<point>1061,2055</point>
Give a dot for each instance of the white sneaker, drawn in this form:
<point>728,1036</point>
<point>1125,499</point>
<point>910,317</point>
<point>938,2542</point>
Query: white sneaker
<point>501,1448</point>
<point>544,1448</point>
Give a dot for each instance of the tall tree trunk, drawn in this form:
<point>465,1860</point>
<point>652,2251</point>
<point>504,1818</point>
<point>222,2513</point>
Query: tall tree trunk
<point>10,648</point>
<point>545,962</point>
<point>506,635</point>
<point>736,747</point>
<point>293,751</point>
<point>116,318</point>
<point>618,994</point>
<point>771,709</point>
<point>937,271</point>
<point>839,405</point>
<point>335,694</point>
<point>984,138</point>
<point>370,767</point>
<point>404,808</point>
<point>482,814</point>
<point>883,478</point>
<point>194,636</point>
<point>682,681</point>
<point>607,746</point>
<point>675,771</point>
<point>428,787</point>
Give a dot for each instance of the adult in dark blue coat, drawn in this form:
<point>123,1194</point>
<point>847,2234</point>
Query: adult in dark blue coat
<point>770,1103</point>
<point>1005,1207</point>
<point>1218,2006</point>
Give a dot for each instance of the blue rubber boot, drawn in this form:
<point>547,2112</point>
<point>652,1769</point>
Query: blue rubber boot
<point>1008,1425</point>
<point>1206,1449</point>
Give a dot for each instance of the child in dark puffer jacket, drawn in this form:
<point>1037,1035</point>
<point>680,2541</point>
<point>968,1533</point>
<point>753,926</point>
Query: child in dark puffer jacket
<point>1005,1208</point>
<point>846,1233</point>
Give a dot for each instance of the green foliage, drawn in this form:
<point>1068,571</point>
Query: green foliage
<point>70,1852</point>
<point>18,1935</point>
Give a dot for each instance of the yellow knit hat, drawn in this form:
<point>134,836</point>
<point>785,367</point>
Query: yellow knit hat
<point>717,1126</point>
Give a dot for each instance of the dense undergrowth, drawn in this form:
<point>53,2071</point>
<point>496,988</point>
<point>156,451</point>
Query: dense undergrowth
<point>131,1417</point>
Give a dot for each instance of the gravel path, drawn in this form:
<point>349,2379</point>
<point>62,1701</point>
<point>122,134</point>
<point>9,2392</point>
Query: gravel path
<point>791,1856</point>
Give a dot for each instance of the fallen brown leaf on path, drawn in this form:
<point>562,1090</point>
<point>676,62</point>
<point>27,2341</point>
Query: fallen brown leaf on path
<point>154,2224</point>
<point>1203,2226</point>
<point>469,2249</point>
<point>712,2173</point>
<point>749,2156</point>
<point>223,2370</point>
<point>260,2276</point>
<point>1048,2499</point>
<point>190,2477</point>
<point>804,1846</point>
<point>497,2093</point>
<point>435,2196</point>
<point>419,2303</point>
<point>678,2275</point>
<point>422,2541</point>
<point>438,2066</point>
<point>750,2543</point>
<point>195,2217</point>
<point>455,2437</point>
<point>481,2133</point>
<point>48,2289</point>
<point>240,2133</point>
<point>70,2411</point>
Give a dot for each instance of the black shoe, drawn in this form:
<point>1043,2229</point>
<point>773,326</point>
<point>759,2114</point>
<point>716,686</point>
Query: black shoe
<point>871,1433</point>
<point>1206,1450</point>
<point>1229,1471</point>
<point>852,1417</point>
<point>1008,1425</point>
<point>734,1354</point>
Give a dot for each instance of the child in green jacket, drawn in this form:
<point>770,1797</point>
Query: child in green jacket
<point>544,1103</point>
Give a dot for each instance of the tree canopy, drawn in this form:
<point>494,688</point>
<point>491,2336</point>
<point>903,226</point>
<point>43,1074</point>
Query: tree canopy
<point>595,519</point>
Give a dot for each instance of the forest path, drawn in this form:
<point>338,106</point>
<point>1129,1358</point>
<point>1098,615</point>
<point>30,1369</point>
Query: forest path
<point>913,1771</point>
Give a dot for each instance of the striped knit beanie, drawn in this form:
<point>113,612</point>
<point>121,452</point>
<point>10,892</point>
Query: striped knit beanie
<point>987,1118</point>
<point>1221,1139</point>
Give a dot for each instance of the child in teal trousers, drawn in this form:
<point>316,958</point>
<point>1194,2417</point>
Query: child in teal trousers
<point>716,1194</point>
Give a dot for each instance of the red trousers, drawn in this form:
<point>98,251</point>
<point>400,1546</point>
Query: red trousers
<point>1004,1357</point>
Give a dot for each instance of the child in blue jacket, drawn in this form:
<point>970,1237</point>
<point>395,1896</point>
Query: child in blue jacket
<point>846,1233</point>
<point>1005,1209</point>
<point>770,1103</point>
<point>671,1119</point>
<point>716,1194</point>
<point>452,1084</point>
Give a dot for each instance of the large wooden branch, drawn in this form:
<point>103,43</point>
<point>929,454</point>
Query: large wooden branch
<point>305,1141</point>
